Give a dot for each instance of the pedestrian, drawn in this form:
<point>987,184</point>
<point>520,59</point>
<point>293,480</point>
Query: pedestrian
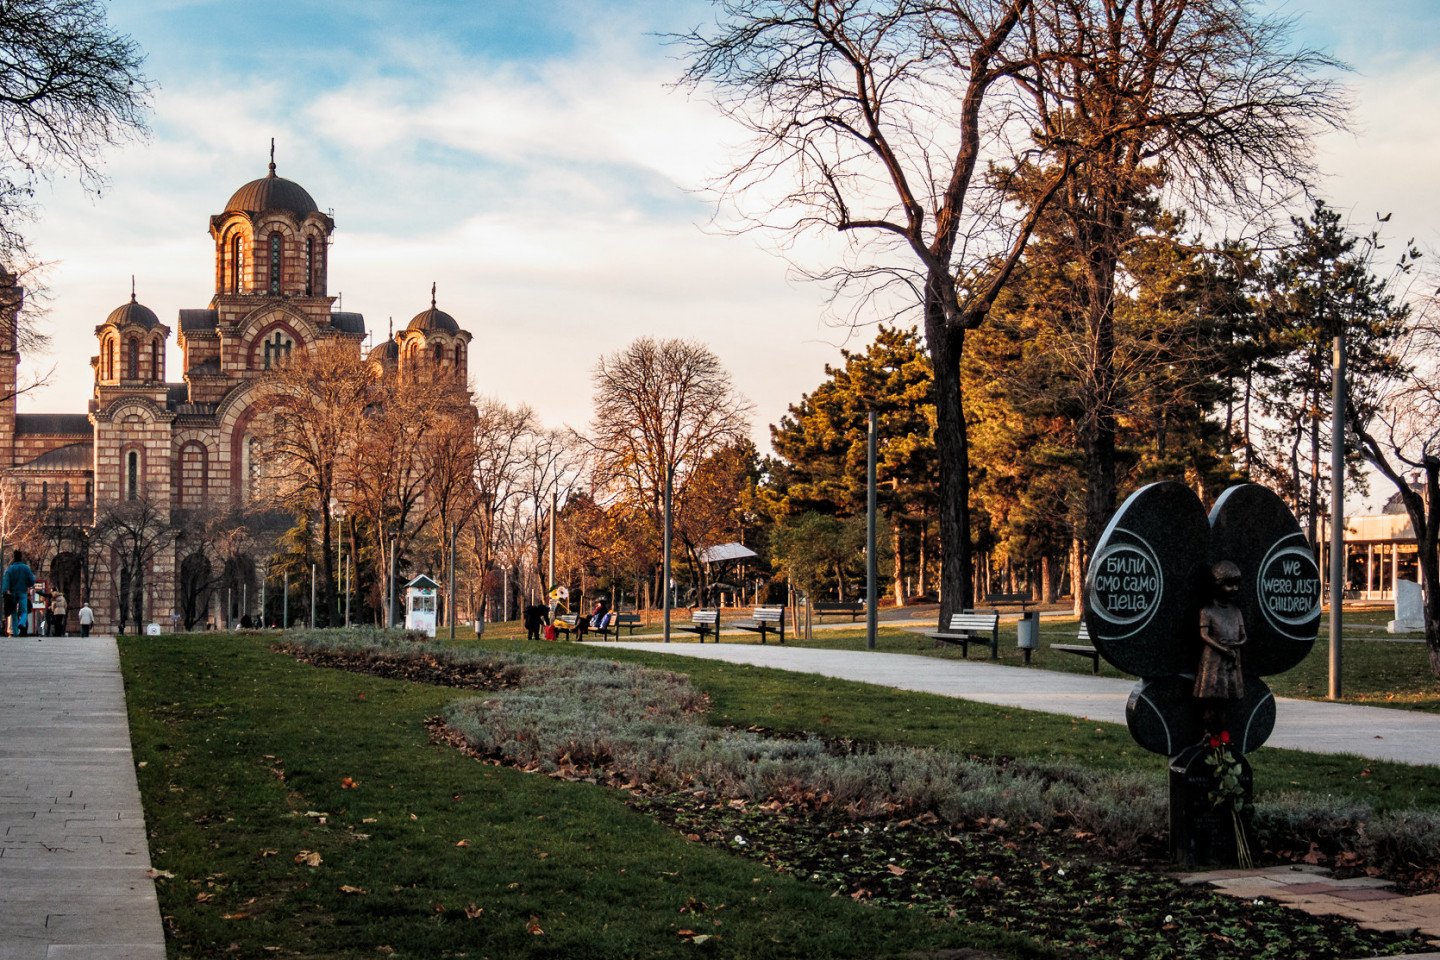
<point>535,616</point>
<point>86,616</point>
<point>19,580</point>
<point>59,609</point>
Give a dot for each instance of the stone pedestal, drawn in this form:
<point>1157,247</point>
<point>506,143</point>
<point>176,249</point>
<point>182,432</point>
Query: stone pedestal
<point>1200,833</point>
<point>1409,608</point>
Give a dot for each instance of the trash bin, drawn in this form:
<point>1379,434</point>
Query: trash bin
<point>1027,632</point>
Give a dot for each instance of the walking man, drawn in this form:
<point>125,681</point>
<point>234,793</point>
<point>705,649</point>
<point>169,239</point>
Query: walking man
<point>86,616</point>
<point>19,582</point>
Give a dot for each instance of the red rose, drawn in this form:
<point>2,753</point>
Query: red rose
<point>1214,741</point>
<point>1224,736</point>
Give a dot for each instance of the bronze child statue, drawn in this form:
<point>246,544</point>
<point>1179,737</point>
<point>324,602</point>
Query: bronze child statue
<point>1222,628</point>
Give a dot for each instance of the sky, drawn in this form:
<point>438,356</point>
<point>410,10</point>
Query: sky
<point>536,163</point>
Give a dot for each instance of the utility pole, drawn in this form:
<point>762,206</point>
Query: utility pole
<point>665,553</point>
<point>1337,513</point>
<point>872,565</point>
<point>450,590</point>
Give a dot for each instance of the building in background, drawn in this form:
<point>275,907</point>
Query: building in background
<point>177,447</point>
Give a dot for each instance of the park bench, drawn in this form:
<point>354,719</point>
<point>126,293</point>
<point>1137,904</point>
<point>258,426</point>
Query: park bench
<point>566,622</point>
<point>972,626</point>
<point>764,621</point>
<point>1020,598</point>
<point>853,607</point>
<point>617,620</point>
<point>704,622</point>
<point>1082,649</point>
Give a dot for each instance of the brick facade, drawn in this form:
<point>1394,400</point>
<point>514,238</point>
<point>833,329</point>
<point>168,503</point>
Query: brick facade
<point>181,446</point>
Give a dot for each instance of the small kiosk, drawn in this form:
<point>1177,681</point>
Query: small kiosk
<point>420,595</point>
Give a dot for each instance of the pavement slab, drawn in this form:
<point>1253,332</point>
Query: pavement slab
<point>74,860</point>
<point>1377,733</point>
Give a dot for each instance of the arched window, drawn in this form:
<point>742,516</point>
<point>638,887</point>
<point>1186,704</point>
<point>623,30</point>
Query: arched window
<point>274,264</point>
<point>235,264</point>
<point>107,366</point>
<point>44,494</point>
<point>276,349</point>
<point>65,501</point>
<point>132,475</point>
<point>309,266</point>
<point>254,468</point>
<point>132,366</point>
<point>435,354</point>
<point>89,490</point>
<point>459,359</point>
<point>155,372</point>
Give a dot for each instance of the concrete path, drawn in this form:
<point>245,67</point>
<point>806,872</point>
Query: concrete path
<point>1404,736</point>
<point>73,854</point>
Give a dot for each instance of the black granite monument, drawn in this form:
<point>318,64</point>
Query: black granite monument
<point>1161,570</point>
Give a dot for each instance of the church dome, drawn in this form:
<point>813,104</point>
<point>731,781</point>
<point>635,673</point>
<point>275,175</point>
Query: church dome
<point>133,314</point>
<point>433,320</point>
<point>387,351</point>
<point>272,193</point>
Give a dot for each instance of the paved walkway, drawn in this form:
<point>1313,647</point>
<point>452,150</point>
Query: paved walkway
<point>1404,736</point>
<point>73,854</point>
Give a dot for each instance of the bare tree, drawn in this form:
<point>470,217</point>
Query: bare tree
<point>873,118</point>
<point>1397,428</point>
<point>497,443</point>
<point>661,405</point>
<point>312,409</point>
<point>550,468</point>
<point>214,543</point>
<point>132,534</point>
<point>69,86</point>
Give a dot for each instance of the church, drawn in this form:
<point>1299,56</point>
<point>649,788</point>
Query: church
<point>182,444</point>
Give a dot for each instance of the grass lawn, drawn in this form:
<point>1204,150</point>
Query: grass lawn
<point>301,812</point>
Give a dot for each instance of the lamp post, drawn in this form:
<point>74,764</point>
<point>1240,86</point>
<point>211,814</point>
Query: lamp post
<point>872,565</point>
<point>1337,512</point>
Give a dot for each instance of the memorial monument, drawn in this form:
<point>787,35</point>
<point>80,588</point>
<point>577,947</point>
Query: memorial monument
<point>1200,608</point>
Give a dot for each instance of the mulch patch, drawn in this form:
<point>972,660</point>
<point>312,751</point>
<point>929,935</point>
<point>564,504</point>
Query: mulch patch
<point>1063,889</point>
<point>424,668</point>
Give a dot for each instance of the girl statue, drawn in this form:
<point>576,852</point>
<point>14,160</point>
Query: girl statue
<point>1222,628</point>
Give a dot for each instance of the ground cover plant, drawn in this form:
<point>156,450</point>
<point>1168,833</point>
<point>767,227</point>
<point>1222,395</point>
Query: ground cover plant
<point>798,703</point>
<point>587,721</point>
<point>302,812</point>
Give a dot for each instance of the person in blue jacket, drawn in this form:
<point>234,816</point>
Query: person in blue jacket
<point>18,583</point>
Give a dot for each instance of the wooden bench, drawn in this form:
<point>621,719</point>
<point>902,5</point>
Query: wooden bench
<point>853,608</point>
<point>1082,649</point>
<point>972,626</point>
<point>1020,598</point>
<point>566,622</point>
<point>704,622</point>
<point>764,621</point>
<point>617,620</point>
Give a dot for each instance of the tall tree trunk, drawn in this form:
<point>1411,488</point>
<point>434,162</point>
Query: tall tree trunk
<point>1249,448</point>
<point>895,541</point>
<point>921,576</point>
<point>1047,589</point>
<point>953,452</point>
<point>1077,569</point>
